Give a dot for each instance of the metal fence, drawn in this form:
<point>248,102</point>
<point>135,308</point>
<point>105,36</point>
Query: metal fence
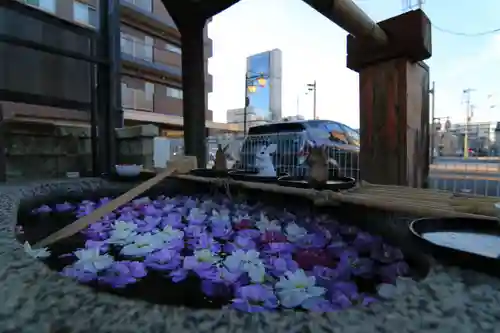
<point>473,175</point>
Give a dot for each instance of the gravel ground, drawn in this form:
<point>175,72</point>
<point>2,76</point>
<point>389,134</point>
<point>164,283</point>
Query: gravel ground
<point>38,300</point>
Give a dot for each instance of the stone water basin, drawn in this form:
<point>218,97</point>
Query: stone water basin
<point>60,303</point>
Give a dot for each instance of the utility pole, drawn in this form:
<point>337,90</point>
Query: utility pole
<point>433,128</point>
<point>312,87</point>
<point>468,116</point>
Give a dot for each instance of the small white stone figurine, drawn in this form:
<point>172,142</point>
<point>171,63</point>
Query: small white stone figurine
<point>263,161</point>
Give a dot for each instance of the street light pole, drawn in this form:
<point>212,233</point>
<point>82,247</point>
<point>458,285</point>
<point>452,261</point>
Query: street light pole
<point>250,80</point>
<point>433,134</point>
<point>468,115</point>
<point>247,102</point>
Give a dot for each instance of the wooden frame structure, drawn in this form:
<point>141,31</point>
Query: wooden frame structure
<point>394,83</point>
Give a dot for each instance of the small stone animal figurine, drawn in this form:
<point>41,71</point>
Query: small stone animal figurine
<point>220,158</point>
<point>317,160</point>
<point>263,161</point>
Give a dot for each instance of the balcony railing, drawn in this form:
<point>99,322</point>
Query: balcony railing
<point>146,5</point>
<point>143,51</point>
<point>136,49</point>
<point>137,100</point>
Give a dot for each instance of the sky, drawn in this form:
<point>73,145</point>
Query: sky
<point>314,48</point>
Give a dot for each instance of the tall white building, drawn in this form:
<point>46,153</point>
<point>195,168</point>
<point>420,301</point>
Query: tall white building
<point>266,100</point>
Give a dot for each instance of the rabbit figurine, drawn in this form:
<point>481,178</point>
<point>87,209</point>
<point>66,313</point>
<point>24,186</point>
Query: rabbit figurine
<point>263,161</point>
<point>318,166</point>
<point>220,158</point>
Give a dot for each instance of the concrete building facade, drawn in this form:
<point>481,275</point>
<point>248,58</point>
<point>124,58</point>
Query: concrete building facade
<point>151,82</point>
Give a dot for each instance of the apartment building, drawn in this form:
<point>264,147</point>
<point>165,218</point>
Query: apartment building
<point>151,62</point>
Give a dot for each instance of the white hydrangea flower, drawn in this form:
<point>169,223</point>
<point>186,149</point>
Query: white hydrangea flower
<point>142,245</point>
<point>169,234</point>
<point>122,232</point>
<point>293,288</point>
<point>247,261</point>
<point>256,272</point>
<point>294,232</point>
<point>36,253</point>
<point>91,260</point>
<point>205,256</point>
<point>264,224</point>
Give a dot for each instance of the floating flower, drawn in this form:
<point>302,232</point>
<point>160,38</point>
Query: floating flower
<point>164,260</point>
<point>294,232</point>
<point>91,260</point>
<point>201,260</point>
<point>142,245</point>
<point>36,253</point>
<point>264,224</point>
<point>64,207</point>
<point>240,242</point>
<point>123,273</point>
<point>255,298</point>
<point>293,288</point>
<point>42,209</point>
<point>122,232</point>
<point>197,216</point>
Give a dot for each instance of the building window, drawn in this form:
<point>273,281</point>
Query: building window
<point>46,5</point>
<point>141,48</point>
<point>149,89</point>
<point>174,93</point>
<point>173,48</point>
<point>83,13</point>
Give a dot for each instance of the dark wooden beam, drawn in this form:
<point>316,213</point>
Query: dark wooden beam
<point>347,15</point>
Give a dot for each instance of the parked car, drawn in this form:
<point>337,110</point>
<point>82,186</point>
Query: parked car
<point>294,139</point>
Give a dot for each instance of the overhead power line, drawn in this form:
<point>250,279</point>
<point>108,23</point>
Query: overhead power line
<point>466,34</point>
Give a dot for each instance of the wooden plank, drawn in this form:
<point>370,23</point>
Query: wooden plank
<point>182,164</point>
<point>330,198</point>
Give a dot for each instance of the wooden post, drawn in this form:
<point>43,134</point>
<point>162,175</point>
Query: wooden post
<point>394,102</point>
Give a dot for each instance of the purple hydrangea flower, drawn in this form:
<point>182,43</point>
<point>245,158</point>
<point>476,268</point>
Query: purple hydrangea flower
<point>123,273</point>
<point>78,274</point>
<point>204,241</point>
<point>279,265</point>
<point>336,248</point>
<point>358,266</point>
<point>42,209</point>
<point>164,260</point>
<point>365,242</point>
<point>241,243</point>
<point>148,224</point>
<point>311,241</point>
<point>255,298</point>
<point>174,220</point>
<point>64,207</point>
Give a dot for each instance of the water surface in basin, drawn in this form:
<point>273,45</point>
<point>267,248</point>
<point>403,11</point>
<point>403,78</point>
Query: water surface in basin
<point>478,243</point>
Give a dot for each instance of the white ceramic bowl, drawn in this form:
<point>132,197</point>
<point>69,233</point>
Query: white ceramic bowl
<point>128,170</point>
